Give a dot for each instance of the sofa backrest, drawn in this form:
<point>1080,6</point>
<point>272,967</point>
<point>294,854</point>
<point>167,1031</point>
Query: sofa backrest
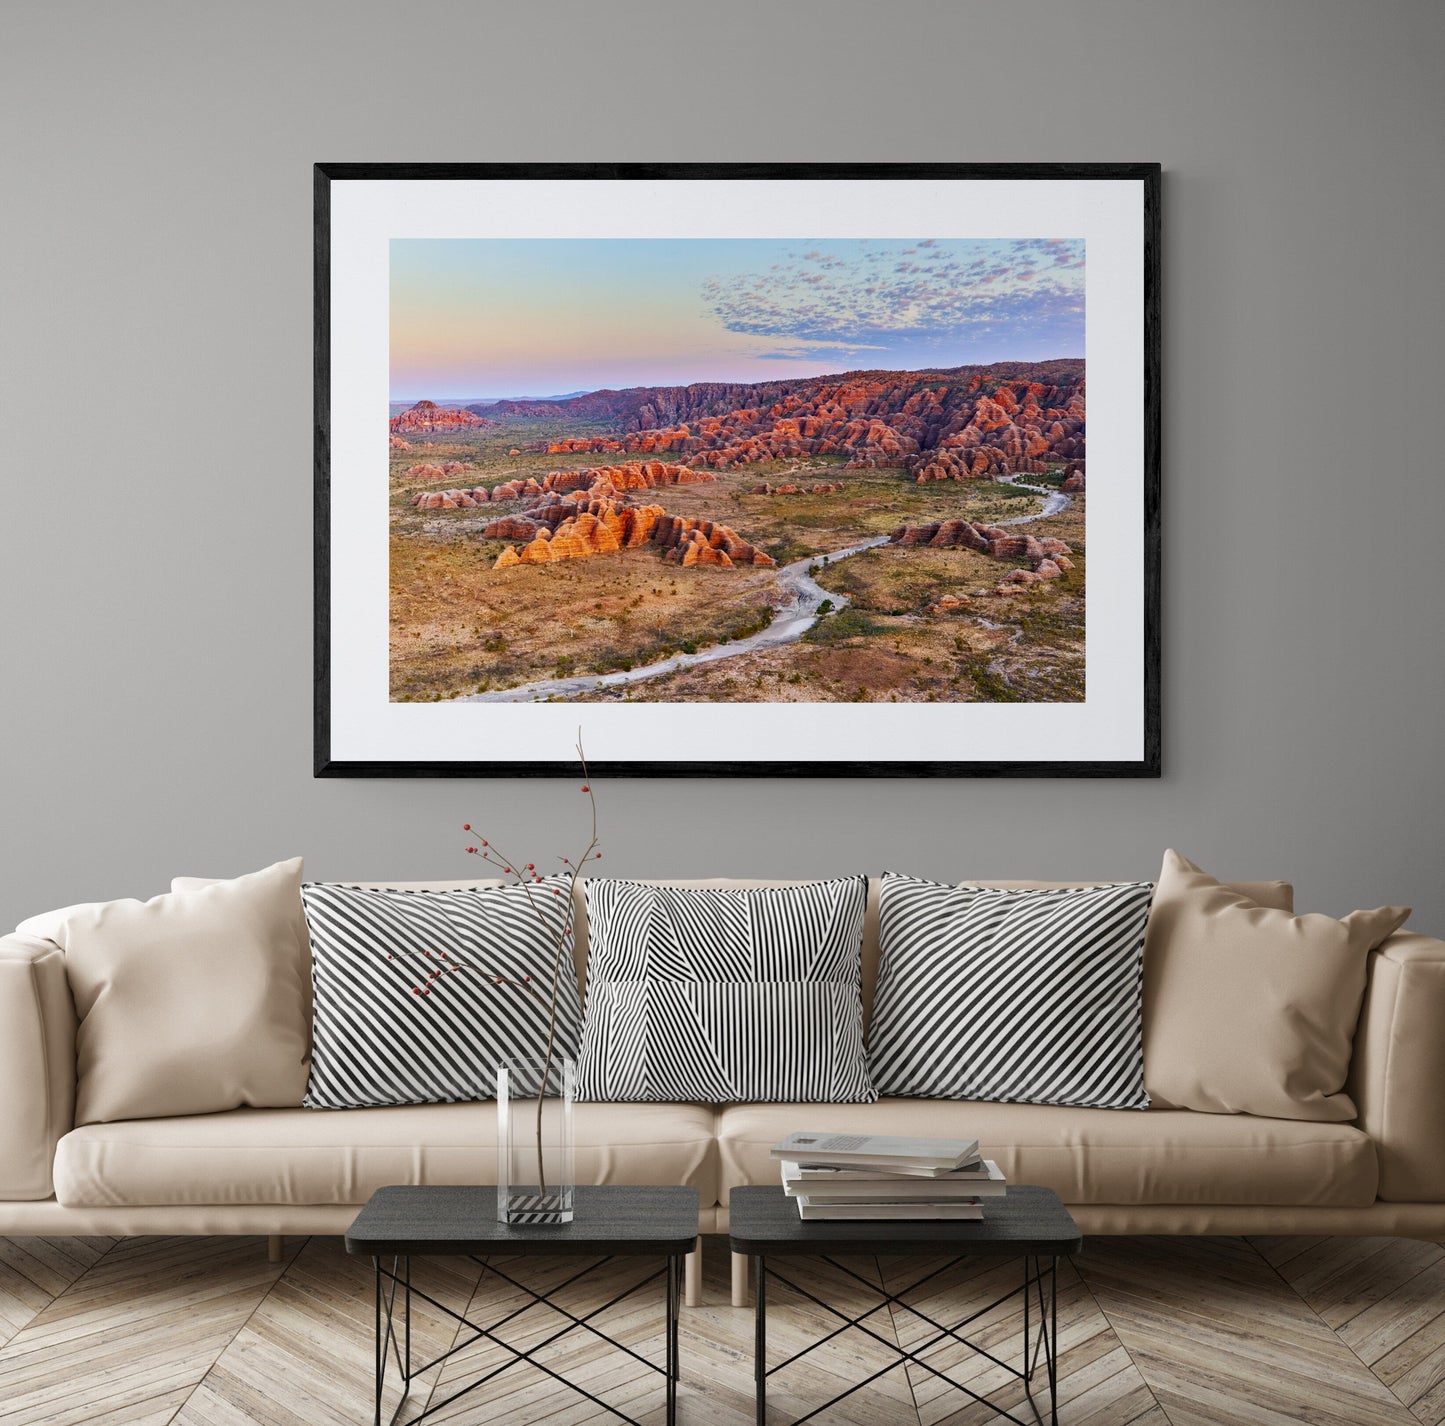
<point>1277,894</point>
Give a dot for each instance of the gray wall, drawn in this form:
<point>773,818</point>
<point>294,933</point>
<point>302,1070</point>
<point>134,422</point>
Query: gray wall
<point>155,559</point>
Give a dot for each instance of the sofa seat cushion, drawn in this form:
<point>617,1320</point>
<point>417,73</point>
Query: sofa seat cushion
<point>311,1156</point>
<point>1092,1155</point>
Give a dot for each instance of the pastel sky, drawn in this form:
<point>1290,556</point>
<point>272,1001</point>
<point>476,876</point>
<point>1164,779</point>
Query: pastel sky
<point>540,317</point>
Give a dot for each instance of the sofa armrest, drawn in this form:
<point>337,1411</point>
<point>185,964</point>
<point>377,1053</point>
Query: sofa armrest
<point>1397,1072</point>
<point>37,1064</point>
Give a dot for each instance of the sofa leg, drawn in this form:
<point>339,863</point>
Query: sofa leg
<point>692,1277</point>
<point>273,1247</point>
<point>740,1279</point>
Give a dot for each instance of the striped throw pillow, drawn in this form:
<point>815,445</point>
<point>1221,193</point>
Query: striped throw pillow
<point>725,995</point>
<point>407,1008</point>
<point>1024,996</point>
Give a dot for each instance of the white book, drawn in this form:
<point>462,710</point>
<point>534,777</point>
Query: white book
<point>836,1212</point>
<point>855,1186</point>
<point>885,1151</point>
<point>878,1172</point>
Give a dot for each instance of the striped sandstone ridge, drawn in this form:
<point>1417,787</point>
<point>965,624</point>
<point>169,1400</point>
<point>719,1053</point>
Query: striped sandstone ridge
<point>427,417</point>
<point>596,525</point>
<point>962,423</point>
<point>1048,558</point>
<point>823,488</point>
<point>570,520</point>
<point>635,475</point>
<point>448,470</point>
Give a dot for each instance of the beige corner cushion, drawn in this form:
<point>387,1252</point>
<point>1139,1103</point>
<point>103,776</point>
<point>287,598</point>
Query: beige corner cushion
<point>1247,1009</point>
<point>189,1003</point>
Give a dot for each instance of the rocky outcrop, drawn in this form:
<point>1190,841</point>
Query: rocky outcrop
<point>606,526</point>
<point>398,444</point>
<point>690,542</point>
<point>1073,480</point>
<point>1048,558</point>
<point>512,527</point>
<point>604,481</point>
<point>567,519</point>
<point>585,534</point>
<point>822,488</point>
<point>427,418</point>
<point>576,525</point>
<point>959,423</point>
<point>449,499</point>
<point>447,470</point>
<point>634,475</point>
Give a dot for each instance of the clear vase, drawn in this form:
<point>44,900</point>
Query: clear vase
<point>536,1172</point>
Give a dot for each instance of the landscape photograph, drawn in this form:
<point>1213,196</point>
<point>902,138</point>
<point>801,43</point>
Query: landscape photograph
<point>738,470</point>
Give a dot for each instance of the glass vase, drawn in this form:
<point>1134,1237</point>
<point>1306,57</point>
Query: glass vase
<point>536,1172</point>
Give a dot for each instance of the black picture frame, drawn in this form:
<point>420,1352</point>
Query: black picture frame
<point>1148,176</point>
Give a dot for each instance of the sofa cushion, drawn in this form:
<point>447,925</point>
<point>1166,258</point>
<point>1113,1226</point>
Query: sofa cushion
<point>1026,996</point>
<point>1249,1010</point>
<point>189,1003</point>
<point>419,994</point>
<point>311,1156</point>
<point>1091,1155</point>
<point>724,995</point>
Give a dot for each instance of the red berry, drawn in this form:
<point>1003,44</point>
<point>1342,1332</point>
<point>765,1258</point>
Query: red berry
<point>416,990</point>
<point>530,867</point>
<point>585,788</point>
<point>466,826</point>
<point>485,843</point>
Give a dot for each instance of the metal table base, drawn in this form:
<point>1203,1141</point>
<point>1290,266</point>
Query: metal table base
<point>393,1333</point>
<point>1039,1273</point>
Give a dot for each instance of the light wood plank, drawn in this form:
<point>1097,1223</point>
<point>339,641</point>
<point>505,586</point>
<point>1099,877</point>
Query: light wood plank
<point>35,1271</point>
<point>306,1356</point>
<point>1152,1332</point>
<point>1220,1338</point>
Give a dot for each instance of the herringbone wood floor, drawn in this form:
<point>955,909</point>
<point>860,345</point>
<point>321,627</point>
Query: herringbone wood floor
<point>1153,1332</point>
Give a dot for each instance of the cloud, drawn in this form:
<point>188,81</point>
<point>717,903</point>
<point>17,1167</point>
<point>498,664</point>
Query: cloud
<point>877,298</point>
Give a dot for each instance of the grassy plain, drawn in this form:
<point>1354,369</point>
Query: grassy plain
<point>460,627</point>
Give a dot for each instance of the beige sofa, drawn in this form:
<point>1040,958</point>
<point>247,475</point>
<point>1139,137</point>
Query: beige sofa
<point>290,1171</point>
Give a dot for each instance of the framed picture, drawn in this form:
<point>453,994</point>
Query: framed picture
<point>743,469</point>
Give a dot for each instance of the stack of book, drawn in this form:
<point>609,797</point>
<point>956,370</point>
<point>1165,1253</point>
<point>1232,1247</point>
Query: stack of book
<point>862,1176</point>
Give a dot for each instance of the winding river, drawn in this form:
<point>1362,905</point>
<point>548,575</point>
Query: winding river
<point>791,619</point>
<point>1054,500</point>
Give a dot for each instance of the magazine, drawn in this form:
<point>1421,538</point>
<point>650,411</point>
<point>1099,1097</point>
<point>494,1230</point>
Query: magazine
<point>868,1186</point>
<point>862,1211</point>
<point>894,1153</point>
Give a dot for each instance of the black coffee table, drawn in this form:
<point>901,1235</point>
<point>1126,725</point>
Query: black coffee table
<point>404,1222</point>
<point>1029,1223</point>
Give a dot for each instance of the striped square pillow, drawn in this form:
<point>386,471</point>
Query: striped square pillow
<point>723,995</point>
<point>1024,996</point>
<point>407,1008</point>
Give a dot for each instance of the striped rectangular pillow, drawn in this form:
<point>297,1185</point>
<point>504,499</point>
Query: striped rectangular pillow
<point>1024,996</point>
<point>407,1005</point>
<point>722,995</point>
